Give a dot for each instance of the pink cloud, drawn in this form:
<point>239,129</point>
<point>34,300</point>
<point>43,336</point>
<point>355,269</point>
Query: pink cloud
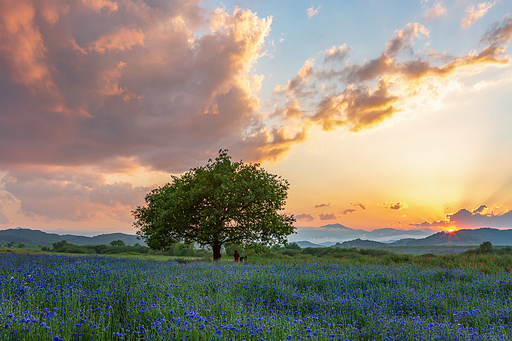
<point>123,39</point>
<point>434,12</point>
<point>473,14</point>
<point>70,194</point>
<point>312,11</point>
<point>131,82</point>
<point>3,218</point>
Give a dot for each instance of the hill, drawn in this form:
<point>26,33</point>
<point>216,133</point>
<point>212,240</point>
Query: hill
<point>360,243</point>
<point>304,243</point>
<point>456,238</point>
<point>28,236</point>
<point>341,233</point>
<point>461,237</point>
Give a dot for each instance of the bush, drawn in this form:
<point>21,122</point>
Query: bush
<point>292,246</point>
<point>290,252</point>
<point>485,247</point>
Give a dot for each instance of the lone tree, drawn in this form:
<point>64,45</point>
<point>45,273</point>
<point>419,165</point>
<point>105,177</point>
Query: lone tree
<point>118,242</point>
<point>221,203</point>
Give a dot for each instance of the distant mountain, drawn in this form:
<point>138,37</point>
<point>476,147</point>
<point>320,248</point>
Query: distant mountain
<point>304,243</point>
<point>360,243</point>
<point>28,236</point>
<point>461,237</point>
<point>326,244</point>
<point>341,233</point>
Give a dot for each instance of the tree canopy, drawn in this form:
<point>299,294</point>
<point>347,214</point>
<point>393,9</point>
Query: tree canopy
<point>221,203</point>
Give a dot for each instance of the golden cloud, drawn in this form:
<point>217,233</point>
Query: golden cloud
<point>380,88</point>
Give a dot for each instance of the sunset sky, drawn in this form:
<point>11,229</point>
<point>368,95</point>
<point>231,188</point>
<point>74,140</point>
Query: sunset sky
<point>379,113</point>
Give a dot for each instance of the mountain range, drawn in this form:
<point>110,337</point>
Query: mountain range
<point>341,233</point>
<point>28,236</point>
<point>460,237</point>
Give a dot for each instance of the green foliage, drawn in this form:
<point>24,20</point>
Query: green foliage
<point>21,245</point>
<point>60,246</point>
<point>485,247</point>
<point>292,246</point>
<point>118,242</point>
<point>219,204</point>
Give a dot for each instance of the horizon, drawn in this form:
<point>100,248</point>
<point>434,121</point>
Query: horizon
<point>294,238</point>
<point>379,115</point>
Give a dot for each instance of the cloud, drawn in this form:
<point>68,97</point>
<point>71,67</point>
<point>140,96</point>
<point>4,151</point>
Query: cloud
<point>98,5</point>
<point>3,218</point>
<point>348,210</point>
<point>360,205</point>
<point>395,81</point>
<point>434,12</point>
<point>473,14</point>
<point>296,84</point>
<point>160,84</point>
<point>305,217</point>
<point>124,39</point>
<point>479,209</point>
<point>329,216</point>
<point>464,218</point>
<point>322,205</point>
<point>499,33</point>
<point>312,11</point>
<point>336,53</point>
<point>396,206</point>
<point>71,194</point>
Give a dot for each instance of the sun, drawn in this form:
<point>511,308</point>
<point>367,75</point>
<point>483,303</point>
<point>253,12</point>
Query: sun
<point>451,230</point>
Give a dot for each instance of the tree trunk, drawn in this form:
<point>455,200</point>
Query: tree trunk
<point>216,250</point>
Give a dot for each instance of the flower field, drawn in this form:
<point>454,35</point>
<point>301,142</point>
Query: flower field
<point>46,297</point>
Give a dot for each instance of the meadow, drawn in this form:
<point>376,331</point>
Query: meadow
<point>56,297</point>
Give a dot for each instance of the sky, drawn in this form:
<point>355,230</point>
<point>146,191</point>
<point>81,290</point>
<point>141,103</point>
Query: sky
<point>392,114</point>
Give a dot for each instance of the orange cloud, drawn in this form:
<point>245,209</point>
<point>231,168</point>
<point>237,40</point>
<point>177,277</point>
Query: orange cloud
<point>123,39</point>
<point>473,14</point>
<point>396,206</point>
<point>98,5</point>
<point>22,45</point>
<point>360,205</point>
